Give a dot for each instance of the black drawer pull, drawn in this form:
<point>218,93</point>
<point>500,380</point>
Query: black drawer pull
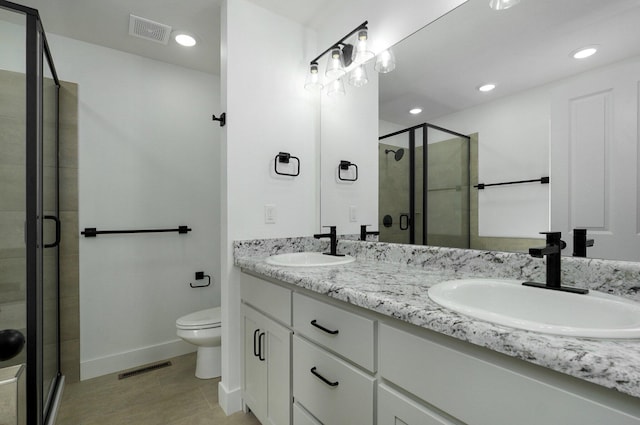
<point>256,351</point>
<point>261,346</point>
<point>322,328</point>
<point>323,379</point>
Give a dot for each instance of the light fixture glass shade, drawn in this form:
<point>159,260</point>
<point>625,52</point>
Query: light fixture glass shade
<point>502,4</point>
<point>336,88</point>
<point>361,53</point>
<point>335,64</point>
<point>385,62</point>
<point>358,76</point>
<point>312,82</point>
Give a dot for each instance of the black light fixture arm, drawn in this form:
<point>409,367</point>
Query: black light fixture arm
<point>362,26</point>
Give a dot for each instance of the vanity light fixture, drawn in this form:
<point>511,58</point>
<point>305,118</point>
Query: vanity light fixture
<point>415,111</point>
<point>502,4</point>
<point>385,62</point>
<point>348,58</point>
<point>358,76</point>
<point>487,87</point>
<point>313,78</point>
<point>335,64</point>
<point>336,88</point>
<point>584,52</point>
<point>184,39</point>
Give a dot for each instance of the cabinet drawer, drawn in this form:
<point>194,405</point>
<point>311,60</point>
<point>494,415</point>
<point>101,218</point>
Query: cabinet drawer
<point>271,299</point>
<point>300,417</point>
<point>346,333</point>
<point>396,409</point>
<point>348,401</point>
<point>480,392</point>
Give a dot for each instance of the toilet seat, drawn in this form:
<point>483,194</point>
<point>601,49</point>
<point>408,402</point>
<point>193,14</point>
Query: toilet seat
<point>203,319</point>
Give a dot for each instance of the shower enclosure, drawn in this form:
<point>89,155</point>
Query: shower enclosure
<point>29,211</point>
<point>424,187</point>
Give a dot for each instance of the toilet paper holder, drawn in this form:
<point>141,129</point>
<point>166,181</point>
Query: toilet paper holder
<point>200,276</point>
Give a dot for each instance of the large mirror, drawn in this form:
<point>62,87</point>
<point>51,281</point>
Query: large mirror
<point>569,124</point>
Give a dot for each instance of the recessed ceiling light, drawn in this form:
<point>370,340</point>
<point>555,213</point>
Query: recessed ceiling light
<point>184,39</point>
<point>584,52</point>
<point>415,111</point>
<point>487,87</point>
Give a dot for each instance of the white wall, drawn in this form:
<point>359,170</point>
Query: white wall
<point>513,145</point>
<point>347,135</point>
<point>148,158</point>
<point>264,59</point>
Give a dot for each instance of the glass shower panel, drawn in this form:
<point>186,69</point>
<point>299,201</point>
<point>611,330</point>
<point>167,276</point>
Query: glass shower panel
<point>394,189</point>
<point>12,177</point>
<point>50,232</point>
<point>447,190</point>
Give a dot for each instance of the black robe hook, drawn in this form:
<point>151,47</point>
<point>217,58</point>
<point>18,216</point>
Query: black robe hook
<point>222,119</point>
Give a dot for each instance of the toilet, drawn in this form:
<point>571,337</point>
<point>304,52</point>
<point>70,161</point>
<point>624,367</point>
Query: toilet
<point>202,329</point>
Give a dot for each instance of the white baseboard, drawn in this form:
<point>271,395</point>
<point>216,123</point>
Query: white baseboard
<point>130,359</point>
<point>229,401</point>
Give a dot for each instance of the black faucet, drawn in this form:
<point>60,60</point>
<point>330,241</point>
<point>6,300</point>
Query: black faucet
<point>333,237</point>
<point>552,251</point>
<point>364,233</point>
<point>580,242</point>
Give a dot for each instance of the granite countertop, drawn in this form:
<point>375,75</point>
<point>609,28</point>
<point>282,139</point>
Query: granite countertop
<point>394,279</point>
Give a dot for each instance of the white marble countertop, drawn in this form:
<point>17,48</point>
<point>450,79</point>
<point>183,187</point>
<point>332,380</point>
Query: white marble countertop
<point>383,282</point>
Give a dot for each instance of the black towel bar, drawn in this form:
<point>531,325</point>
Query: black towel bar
<point>542,180</point>
<point>92,232</point>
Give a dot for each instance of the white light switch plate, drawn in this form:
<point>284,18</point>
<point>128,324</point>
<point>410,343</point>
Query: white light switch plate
<point>270,213</point>
<point>353,214</point>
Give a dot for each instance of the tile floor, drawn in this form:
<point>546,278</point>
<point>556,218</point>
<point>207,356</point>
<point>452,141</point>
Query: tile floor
<point>168,396</point>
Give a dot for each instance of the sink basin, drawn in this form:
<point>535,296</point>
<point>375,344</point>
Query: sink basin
<point>308,259</point>
<point>507,302</point>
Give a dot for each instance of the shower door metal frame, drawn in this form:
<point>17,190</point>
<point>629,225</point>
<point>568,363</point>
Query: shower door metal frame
<point>425,175</point>
<point>36,49</point>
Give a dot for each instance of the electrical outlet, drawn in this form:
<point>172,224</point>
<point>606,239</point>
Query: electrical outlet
<point>269,213</point>
<point>353,214</point>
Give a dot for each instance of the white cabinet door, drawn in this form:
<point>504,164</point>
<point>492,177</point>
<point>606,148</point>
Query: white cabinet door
<point>594,161</point>
<point>267,368</point>
<point>254,384</point>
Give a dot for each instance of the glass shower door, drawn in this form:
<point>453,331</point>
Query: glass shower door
<point>394,188</point>
<point>50,238</point>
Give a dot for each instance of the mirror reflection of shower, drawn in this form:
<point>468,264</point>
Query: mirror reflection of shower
<point>398,154</point>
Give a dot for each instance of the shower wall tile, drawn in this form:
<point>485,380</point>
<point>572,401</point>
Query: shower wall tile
<point>12,92</point>
<point>70,359</point>
<point>69,235</point>
<point>12,279</point>
<point>12,178</point>
<point>68,152</point>
<point>12,137</point>
<point>68,189</point>
<point>69,322</point>
<point>69,275</point>
<point>12,231</point>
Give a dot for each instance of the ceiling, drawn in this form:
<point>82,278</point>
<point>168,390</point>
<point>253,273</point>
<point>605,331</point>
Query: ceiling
<point>441,66</point>
<point>106,23</point>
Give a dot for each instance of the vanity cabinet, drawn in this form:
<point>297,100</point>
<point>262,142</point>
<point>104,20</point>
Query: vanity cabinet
<point>480,387</point>
<point>266,385</point>
<point>313,360</point>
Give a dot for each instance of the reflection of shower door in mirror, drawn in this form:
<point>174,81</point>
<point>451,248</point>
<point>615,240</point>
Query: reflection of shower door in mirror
<point>395,203</point>
<point>402,182</point>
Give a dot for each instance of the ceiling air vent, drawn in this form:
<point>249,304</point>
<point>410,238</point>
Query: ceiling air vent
<point>149,30</point>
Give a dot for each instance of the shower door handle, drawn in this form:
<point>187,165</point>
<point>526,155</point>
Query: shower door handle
<point>57,222</point>
<point>405,225</point>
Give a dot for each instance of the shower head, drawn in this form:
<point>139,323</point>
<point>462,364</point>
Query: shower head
<point>398,154</point>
